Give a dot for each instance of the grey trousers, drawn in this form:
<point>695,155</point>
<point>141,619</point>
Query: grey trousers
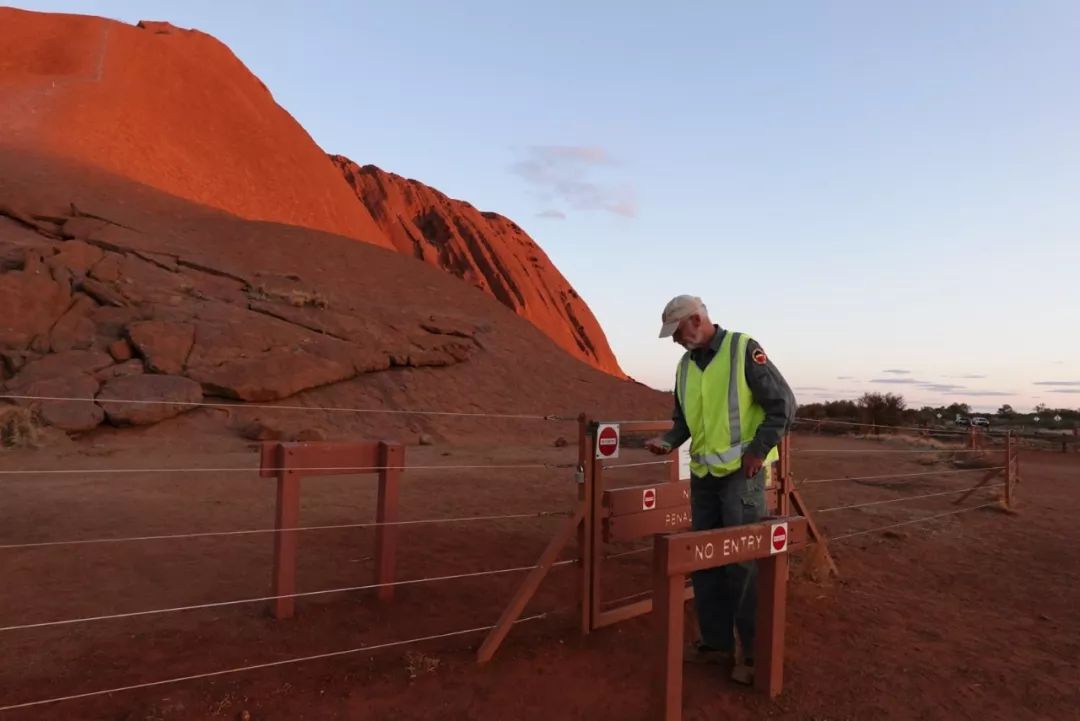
<point>726,597</point>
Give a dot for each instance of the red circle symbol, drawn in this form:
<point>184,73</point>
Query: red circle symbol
<point>608,442</point>
<point>648,499</point>
<point>779,538</point>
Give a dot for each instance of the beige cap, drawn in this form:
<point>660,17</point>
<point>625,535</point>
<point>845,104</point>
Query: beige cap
<point>677,310</point>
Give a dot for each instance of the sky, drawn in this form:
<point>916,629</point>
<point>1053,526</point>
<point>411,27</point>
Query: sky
<point>885,195</point>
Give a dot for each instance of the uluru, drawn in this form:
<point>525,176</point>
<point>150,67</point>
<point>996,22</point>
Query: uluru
<point>175,110</point>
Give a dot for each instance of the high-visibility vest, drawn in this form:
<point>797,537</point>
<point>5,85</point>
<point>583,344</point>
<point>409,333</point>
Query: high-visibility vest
<point>719,408</point>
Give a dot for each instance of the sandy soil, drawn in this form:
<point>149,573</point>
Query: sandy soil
<point>967,616</point>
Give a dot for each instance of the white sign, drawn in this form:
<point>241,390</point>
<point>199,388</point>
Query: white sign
<point>1057,419</point>
<point>779,536</point>
<point>607,440</point>
<point>684,461</point>
<point>648,499</point>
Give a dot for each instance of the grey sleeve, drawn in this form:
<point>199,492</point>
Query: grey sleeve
<point>773,394</point>
<point>680,432</point>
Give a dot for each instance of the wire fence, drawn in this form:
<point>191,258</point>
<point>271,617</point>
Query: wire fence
<point>285,407</point>
<point>815,481</point>
<point>260,599</point>
<point>298,469</point>
<point>256,531</point>
<point>268,664</point>
<point>68,622</point>
<point>899,524</point>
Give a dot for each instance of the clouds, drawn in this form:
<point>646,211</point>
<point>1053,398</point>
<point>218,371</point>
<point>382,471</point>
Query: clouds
<point>566,175</point>
<point>898,371</point>
<point>1070,387</point>
<point>552,214</point>
<point>937,387</point>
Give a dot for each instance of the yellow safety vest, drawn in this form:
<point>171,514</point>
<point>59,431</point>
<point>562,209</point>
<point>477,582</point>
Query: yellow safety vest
<point>720,409</point>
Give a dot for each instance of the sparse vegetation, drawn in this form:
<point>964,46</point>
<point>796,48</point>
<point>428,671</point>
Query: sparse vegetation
<point>18,428</point>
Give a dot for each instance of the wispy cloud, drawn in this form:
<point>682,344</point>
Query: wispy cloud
<point>564,174</point>
<point>552,214</point>
<point>1057,383</point>
<point>845,378</point>
<point>988,393</point>
<point>902,381</point>
<point>968,376</point>
<point>1066,390</point>
<point>941,387</point>
<point>898,371</point>
<point>810,388</point>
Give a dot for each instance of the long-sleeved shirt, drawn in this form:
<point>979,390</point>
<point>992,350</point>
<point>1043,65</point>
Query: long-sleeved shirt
<point>768,386</point>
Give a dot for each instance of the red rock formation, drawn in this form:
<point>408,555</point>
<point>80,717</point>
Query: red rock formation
<point>484,249</point>
<point>173,109</point>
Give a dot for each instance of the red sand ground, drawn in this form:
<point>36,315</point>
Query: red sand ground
<point>971,616</point>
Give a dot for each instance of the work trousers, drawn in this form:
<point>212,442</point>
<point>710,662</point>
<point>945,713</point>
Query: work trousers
<point>726,596</point>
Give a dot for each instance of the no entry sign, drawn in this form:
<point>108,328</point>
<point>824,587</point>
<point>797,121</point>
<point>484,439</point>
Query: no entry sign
<point>648,499</point>
<point>779,536</point>
<point>607,440</point>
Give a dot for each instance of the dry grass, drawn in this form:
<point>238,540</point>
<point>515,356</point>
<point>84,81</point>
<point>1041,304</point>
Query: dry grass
<point>909,441</point>
<point>18,428</point>
<point>417,663</point>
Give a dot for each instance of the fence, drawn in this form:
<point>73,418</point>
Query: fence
<point>604,513</point>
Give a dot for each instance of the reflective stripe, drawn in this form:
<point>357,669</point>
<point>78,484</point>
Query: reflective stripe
<point>734,421</point>
<point>719,459</point>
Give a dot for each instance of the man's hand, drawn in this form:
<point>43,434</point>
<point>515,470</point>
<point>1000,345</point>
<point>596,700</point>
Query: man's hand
<point>751,465</point>
<point>658,446</point>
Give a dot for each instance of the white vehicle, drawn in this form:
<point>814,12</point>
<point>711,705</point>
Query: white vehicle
<point>980,421</point>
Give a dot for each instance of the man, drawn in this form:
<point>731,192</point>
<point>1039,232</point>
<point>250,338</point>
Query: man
<point>734,406</point>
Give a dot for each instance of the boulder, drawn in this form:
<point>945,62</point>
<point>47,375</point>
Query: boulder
<point>58,365</point>
<point>121,350</point>
<point>77,256</point>
<point>76,415</point>
<point>108,269</point>
<point>74,330</point>
<point>270,376</point>
<point>30,304</point>
<point>127,368</point>
<point>160,396</point>
<point>257,430</point>
<point>102,293</point>
<point>165,345</point>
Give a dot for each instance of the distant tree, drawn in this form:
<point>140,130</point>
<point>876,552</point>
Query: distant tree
<point>1041,408</point>
<point>882,409</point>
<point>957,409</point>
<point>1006,411</point>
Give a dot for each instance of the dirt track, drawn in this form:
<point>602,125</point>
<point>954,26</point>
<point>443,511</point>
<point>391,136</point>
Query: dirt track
<point>967,616</point>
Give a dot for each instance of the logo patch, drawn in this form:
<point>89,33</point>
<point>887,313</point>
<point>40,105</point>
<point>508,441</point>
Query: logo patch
<point>759,357</point>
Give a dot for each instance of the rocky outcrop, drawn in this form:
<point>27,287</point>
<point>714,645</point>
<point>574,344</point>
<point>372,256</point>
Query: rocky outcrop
<point>159,396</point>
<point>69,415</point>
<point>32,302</point>
<point>195,330</point>
<point>198,125</point>
<point>163,345</point>
<point>485,250</point>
